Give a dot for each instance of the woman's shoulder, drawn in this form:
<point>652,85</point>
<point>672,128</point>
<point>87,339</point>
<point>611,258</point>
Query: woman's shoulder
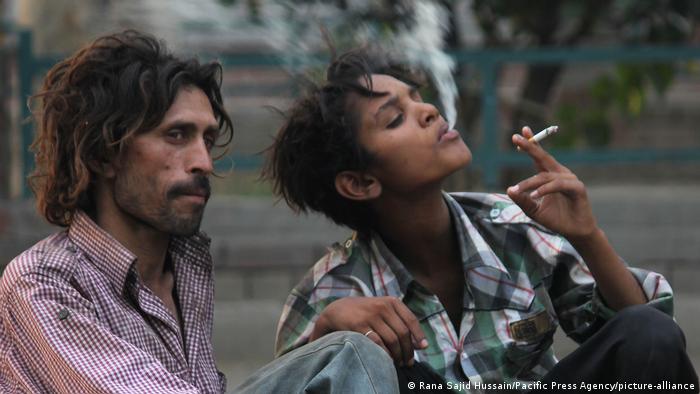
<point>344,261</point>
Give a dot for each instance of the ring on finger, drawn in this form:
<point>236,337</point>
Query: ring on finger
<point>369,332</point>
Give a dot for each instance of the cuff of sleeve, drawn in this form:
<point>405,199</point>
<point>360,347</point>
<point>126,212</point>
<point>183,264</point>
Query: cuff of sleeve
<point>654,286</point>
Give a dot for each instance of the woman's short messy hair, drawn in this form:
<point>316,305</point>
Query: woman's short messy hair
<point>319,139</point>
<point>93,102</point>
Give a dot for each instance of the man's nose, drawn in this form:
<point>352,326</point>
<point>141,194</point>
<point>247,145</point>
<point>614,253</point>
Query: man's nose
<point>200,161</point>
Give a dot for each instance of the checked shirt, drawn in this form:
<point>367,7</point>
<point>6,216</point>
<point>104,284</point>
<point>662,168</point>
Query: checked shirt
<point>521,282</point>
<point>75,318</point>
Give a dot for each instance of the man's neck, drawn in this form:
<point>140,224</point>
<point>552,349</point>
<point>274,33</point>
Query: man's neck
<point>148,244</point>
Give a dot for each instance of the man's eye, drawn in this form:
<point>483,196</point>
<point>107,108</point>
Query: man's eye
<point>209,141</point>
<point>396,122</point>
<point>176,134</point>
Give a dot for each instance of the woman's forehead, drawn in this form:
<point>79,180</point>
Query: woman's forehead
<point>383,83</point>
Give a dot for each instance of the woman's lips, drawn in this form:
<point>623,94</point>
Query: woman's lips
<point>449,135</point>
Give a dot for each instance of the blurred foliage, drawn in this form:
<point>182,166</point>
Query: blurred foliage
<point>624,91</point>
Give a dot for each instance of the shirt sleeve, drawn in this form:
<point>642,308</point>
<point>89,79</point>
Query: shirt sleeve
<point>580,308</point>
<point>295,325</point>
<point>322,285</point>
<point>53,342</point>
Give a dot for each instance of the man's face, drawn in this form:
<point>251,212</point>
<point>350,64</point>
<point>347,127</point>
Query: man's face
<point>162,177</point>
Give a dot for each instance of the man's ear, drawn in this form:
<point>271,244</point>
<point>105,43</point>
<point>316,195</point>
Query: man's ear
<point>357,186</point>
<point>103,168</point>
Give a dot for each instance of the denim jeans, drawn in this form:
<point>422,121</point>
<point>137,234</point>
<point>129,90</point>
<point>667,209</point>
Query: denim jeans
<point>340,362</point>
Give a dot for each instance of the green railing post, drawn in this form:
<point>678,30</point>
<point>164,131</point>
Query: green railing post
<point>25,60</point>
<point>488,152</point>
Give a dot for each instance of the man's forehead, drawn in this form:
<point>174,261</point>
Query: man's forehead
<point>191,103</point>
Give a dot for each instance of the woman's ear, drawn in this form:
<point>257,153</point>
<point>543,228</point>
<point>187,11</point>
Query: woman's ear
<point>357,186</point>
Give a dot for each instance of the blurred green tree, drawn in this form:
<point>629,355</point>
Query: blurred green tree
<point>542,23</point>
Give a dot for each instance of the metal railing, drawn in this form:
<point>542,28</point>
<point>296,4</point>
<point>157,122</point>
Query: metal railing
<point>489,158</point>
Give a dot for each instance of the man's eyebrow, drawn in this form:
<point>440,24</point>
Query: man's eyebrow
<point>186,125</point>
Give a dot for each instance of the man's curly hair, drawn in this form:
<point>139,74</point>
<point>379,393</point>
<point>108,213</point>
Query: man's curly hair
<point>93,102</point>
<point>319,139</point>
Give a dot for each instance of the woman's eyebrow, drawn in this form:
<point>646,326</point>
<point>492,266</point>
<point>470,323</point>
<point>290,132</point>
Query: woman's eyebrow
<point>392,102</point>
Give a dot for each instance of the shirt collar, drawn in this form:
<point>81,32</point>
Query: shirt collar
<point>475,251</point>
<point>488,281</point>
<point>106,253</point>
<point>117,262</point>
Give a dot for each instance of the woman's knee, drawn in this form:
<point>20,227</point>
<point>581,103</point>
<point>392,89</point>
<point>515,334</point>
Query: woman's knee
<point>646,326</point>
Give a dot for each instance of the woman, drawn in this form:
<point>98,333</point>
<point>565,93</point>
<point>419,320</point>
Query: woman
<point>472,284</point>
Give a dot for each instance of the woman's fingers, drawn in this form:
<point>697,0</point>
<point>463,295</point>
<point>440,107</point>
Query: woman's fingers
<point>374,337</point>
<point>570,187</point>
<point>412,323</point>
<point>390,340</point>
<point>527,193</point>
<point>543,160</point>
<point>535,181</point>
<point>403,336</point>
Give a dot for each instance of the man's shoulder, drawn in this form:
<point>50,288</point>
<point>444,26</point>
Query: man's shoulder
<point>52,257</point>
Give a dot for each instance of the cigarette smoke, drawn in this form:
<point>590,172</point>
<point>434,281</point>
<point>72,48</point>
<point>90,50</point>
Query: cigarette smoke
<point>422,43</point>
<point>418,39</point>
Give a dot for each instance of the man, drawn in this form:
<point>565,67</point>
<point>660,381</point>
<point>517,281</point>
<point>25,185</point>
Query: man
<point>122,300</point>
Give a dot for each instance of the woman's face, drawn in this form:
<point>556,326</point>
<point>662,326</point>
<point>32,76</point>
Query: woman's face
<point>411,142</point>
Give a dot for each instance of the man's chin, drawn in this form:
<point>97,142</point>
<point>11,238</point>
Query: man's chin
<point>185,226</point>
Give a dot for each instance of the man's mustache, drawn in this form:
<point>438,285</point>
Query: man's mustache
<point>199,185</point>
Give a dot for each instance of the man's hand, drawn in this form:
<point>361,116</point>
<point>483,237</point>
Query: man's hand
<point>554,197</point>
<point>384,320</point>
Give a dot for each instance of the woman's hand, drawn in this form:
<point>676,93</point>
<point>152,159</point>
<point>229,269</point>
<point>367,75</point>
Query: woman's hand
<point>384,320</point>
<point>554,197</point>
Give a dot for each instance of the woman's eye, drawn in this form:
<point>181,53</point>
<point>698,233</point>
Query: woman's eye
<point>396,122</point>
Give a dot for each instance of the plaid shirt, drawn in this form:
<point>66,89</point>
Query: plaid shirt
<point>521,282</point>
<point>75,318</point>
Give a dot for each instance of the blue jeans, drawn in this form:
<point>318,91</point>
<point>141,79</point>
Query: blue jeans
<point>340,362</point>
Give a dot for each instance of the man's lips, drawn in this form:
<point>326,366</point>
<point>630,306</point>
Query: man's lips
<point>198,194</point>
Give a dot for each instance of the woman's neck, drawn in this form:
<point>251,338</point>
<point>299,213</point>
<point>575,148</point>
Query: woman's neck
<point>419,231</point>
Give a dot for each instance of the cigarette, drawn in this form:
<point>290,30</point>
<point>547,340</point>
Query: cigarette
<point>543,134</point>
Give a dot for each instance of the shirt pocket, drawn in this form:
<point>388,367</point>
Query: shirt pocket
<point>532,335</point>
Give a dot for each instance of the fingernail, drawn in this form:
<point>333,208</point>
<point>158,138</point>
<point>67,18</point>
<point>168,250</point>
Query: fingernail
<point>534,194</point>
<point>513,189</point>
<point>424,343</point>
<point>519,137</point>
<point>410,362</point>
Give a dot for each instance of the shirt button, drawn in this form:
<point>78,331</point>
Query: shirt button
<point>63,314</point>
<point>348,244</point>
<point>495,212</point>
<point>465,355</point>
